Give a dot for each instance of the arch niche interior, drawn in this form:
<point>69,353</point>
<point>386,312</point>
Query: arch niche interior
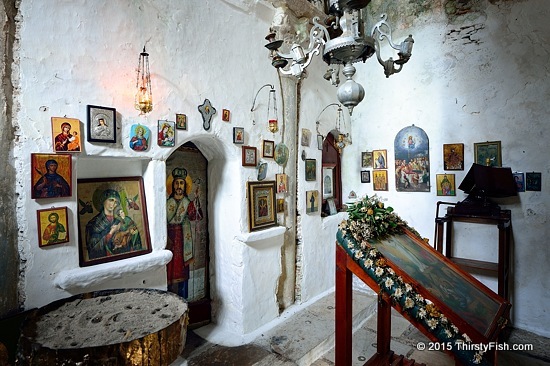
<point>187,230</point>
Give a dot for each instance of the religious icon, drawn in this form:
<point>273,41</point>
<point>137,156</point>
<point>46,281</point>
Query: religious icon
<point>312,201</point>
<point>207,112</point>
<point>51,175</point>
<point>166,135</point>
<point>53,227</point>
<point>225,115</point>
<point>520,181</point>
<point>238,135</point>
<point>282,182</point>
<point>140,137</point>
<point>412,160</point>
<point>66,134</point>
<point>101,124</point>
<point>453,156</point>
<point>281,154</point>
<point>366,159</point>
<point>249,156</point>
<point>445,184</point>
<point>114,229</point>
<point>181,122</point>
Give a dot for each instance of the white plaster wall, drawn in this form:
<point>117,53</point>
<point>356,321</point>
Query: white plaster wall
<point>496,90</point>
<point>71,54</point>
<point>460,91</point>
<point>317,234</point>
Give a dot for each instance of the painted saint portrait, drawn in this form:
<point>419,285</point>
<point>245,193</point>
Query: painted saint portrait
<point>140,136</point>
<point>312,201</point>
<point>187,224</point>
<point>181,121</point>
<point>53,227</point>
<point>51,175</point>
<point>101,124</point>
<point>453,156</point>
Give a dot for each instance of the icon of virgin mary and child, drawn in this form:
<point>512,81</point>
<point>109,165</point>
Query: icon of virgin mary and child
<point>111,231</point>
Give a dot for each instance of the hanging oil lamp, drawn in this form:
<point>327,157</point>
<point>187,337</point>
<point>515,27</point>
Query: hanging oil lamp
<point>144,96</point>
<point>273,123</point>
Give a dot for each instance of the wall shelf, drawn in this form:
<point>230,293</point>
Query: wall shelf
<point>85,277</point>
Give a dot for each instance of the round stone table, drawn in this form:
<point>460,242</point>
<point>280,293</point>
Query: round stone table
<point>112,327</point>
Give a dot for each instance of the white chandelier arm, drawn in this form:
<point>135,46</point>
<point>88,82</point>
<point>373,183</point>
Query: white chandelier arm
<point>316,40</point>
<point>378,28</point>
<point>404,48</point>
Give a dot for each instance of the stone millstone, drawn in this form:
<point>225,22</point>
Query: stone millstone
<point>114,327</point>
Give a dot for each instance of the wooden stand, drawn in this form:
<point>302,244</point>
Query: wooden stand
<point>493,317</point>
<point>502,219</point>
<point>345,267</point>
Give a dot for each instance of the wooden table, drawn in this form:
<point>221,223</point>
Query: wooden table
<point>503,221</point>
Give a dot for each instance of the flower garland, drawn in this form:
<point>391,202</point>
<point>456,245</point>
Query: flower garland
<point>369,220</point>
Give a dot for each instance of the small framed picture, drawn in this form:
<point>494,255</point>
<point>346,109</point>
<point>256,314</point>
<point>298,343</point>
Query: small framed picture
<point>533,181</point>
<point>519,178</point>
<point>53,226</point>
<point>488,153</point>
<point>226,115</point>
<point>101,124</point>
<point>261,205</point>
<point>331,206</point>
<point>306,137</point>
<point>112,229</point>
<point>280,205</point>
<point>365,176</point>
<point>445,184</point>
<point>453,156</point>
<point>181,121</point>
<point>312,201</point>
<point>262,171</point>
<point>311,169</point>
<point>238,135</point>
<point>51,175</point>
<point>268,149</point>
<point>166,135</point>
<point>249,156</point>
<point>282,182</point>
<point>320,140</point>
<point>366,159</point>
<point>328,182</point>
<point>380,158</point>
<point>380,180</point>
<point>66,134</point>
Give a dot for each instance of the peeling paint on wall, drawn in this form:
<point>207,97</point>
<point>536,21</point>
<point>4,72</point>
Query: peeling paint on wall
<point>465,34</point>
<point>9,265</point>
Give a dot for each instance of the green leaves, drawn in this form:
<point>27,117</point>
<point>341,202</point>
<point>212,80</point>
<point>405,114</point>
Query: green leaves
<point>368,219</point>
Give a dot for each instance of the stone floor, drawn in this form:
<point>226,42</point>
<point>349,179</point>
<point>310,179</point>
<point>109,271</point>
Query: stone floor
<point>307,338</point>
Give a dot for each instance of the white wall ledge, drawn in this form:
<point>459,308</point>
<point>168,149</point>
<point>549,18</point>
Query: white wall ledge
<point>262,237</point>
<point>79,278</point>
